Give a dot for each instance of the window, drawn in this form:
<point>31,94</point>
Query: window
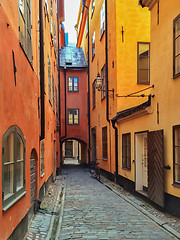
<point>158,13</point>
<point>102,19</point>
<point>93,95</point>
<point>143,63</point>
<point>176,60</point>
<point>73,84</point>
<point>93,6</point>
<point>53,93</point>
<point>47,6</point>
<point>56,100</point>
<point>104,143</point>
<point>126,151</point>
<point>55,37</point>
<point>25,35</point>
<point>93,45</point>
<point>42,158</point>
<point>103,75</point>
<point>176,153</point>
<point>49,78</point>
<point>87,30</point>
<point>73,116</point>
<point>13,166</point>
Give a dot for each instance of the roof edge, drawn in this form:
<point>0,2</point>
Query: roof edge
<point>132,110</point>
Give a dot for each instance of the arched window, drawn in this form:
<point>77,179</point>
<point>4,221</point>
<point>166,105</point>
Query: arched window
<point>13,166</point>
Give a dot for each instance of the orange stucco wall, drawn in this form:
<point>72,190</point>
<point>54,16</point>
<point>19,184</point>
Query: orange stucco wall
<point>18,107</point>
<point>20,104</point>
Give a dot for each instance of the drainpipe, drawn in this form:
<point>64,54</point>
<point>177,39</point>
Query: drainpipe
<point>116,149</point>
<point>65,104</point>
<point>59,93</point>
<point>106,50</point>
<point>89,120</point>
<point>42,136</point>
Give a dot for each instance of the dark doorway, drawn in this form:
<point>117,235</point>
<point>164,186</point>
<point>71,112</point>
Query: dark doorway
<point>93,130</point>
<point>69,149</point>
<point>33,175</point>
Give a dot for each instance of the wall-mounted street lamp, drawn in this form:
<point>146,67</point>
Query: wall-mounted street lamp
<point>99,85</point>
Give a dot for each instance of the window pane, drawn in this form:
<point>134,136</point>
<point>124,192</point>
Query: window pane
<point>8,171</point>
<point>177,28</point>
<point>21,6</point>
<point>19,175</point>
<point>70,118</point>
<point>177,65</point>
<point>143,62</point>
<point>143,49</point>
<point>177,155</point>
<point>177,46</point>
<point>70,84</point>
<point>76,117</point>
<point>177,136</point>
<point>9,149</point>
<point>143,76</point>
<point>75,84</point>
<point>177,173</point>
<point>21,25</point>
<point>20,148</point>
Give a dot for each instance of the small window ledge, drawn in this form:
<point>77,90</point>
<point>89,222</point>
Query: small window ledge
<point>14,201</point>
<point>176,185</point>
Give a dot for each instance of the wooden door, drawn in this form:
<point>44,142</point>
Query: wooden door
<point>33,176</point>
<point>156,167</point>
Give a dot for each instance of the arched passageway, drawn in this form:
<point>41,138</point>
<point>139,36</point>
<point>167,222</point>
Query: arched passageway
<point>74,152</point>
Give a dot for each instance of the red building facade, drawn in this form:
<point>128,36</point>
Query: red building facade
<point>74,114</point>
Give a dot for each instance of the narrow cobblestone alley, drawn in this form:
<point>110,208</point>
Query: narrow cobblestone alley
<point>92,211</point>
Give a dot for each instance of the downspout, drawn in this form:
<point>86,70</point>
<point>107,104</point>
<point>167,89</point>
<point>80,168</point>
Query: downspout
<point>106,50</point>
<point>42,136</point>
<point>116,149</point>
<point>65,104</point>
<point>89,120</point>
<point>59,92</point>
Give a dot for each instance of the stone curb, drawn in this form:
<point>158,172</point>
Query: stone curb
<point>58,231</point>
<point>146,213</point>
<point>53,217</point>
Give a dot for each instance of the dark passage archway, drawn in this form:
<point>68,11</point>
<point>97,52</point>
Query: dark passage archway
<point>74,151</point>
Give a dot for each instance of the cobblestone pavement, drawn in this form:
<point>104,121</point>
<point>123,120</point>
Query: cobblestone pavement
<point>42,221</point>
<point>92,211</point>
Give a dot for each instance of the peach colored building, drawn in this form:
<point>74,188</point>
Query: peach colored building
<point>29,111</point>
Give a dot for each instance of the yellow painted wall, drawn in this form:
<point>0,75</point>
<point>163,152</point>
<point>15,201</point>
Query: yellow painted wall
<point>166,88</point>
<point>166,94</point>
<point>136,25</point>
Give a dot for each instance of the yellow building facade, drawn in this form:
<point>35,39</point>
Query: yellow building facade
<point>135,135</point>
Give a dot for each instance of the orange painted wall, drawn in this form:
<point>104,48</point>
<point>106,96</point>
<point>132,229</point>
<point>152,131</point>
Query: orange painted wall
<point>19,106</point>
